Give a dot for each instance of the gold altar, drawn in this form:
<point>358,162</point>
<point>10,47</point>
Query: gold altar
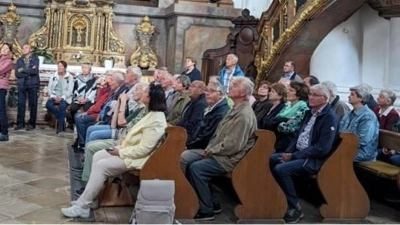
<point>80,27</point>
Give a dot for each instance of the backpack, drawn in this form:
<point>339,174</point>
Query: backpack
<point>155,203</point>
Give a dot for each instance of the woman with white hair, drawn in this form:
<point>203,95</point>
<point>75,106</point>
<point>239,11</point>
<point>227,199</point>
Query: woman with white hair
<point>362,121</point>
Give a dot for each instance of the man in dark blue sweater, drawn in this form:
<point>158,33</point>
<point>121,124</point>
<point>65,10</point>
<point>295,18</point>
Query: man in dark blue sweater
<point>306,154</point>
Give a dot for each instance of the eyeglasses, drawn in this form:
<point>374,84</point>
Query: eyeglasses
<point>314,95</point>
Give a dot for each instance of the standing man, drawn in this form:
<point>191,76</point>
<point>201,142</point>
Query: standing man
<point>231,69</point>
<point>27,72</point>
<point>290,73</point>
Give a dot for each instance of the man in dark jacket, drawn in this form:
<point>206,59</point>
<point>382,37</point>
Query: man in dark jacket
<point>314,141</point>
<point>192,113</point>
<point>213,114</point>
<point>27,72</point>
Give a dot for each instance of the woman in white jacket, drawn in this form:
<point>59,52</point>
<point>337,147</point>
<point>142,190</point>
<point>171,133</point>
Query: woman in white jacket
<point>60,88</point>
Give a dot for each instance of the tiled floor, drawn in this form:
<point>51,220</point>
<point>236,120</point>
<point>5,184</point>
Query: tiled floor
<point>34,180</point>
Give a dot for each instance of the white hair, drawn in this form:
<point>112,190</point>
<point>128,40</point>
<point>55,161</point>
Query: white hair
<point>137,71</point>
<point>323,88</point>
<point>245,84</point>
<point>235,58</point>
<point>331,87</point>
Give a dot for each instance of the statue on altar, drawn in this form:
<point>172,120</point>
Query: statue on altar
<point>144,57</point>
<point>9,23</point>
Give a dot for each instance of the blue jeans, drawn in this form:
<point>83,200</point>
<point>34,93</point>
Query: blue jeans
<point>97,132</point>
<point>32,102</point>
<point>284,173</point>
<point>200,172</point>
<point>3,113</point>
<point>82,124</point>
<point>58,113</point>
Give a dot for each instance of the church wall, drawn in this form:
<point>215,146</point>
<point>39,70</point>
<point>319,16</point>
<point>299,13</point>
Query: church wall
<point>173,27</point>
<point>364,48</point>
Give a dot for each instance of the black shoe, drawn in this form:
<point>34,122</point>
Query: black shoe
<point>79,192</point>
<point>3,137</point>
<point>80,149</point>
<point>60,127</point>
<point>78,177</point>
<point>204,216</point>
<point>392,199</point>
<point>29,127</point>
<point>293,216</point>
<point>19,128</point>
<point>75,144</point>
<point>217,208</point>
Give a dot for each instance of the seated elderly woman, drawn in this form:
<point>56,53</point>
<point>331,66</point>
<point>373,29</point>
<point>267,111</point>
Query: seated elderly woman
<point>362,121</point>
<point>134,151</point>
<point>180,99</point>
<point>287,122</point>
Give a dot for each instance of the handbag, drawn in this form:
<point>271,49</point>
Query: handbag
<point>115,193</point>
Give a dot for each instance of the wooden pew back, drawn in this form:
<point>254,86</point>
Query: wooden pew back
<point>345,197</point>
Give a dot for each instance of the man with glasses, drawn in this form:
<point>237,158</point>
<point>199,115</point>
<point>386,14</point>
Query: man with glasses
<point>305,155</point>
<point>213,114</point>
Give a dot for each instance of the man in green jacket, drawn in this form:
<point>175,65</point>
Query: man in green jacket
<point>229,144</point>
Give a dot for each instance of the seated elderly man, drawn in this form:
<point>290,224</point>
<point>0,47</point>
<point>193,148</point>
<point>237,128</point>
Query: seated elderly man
<point>362,121</point>
<point>192,113</point>
<point>338,106</point>
<point>305,155</point>
<point>213,114</point>
<point>229,144</point>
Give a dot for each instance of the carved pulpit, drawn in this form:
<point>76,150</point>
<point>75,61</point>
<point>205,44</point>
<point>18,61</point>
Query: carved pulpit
<point>80,26</point>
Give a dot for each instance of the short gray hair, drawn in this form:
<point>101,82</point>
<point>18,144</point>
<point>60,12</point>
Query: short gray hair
<point>120,77</point>
<point>245,84</point>
<point>323,88</point>
<point>331,87</point>
<point>184,80</point>
<point>142,85</point>
<point>361,92</point>
<point>137,71</point>
<point>389,94</point>
<point>218,86</point>
<point>89,65</point>
<point>235,58</point>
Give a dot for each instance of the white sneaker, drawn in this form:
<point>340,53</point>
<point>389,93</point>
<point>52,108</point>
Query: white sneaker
<point>76,211</point>
<point>92,205</point>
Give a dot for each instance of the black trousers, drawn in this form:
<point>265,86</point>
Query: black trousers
<point>32,103</point>
<point>3,112</point>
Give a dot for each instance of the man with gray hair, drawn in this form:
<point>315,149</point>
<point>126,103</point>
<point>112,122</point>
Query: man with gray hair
<point>338,106</point>
<point>132,77</point>
<point>363,122</point>
<point>305,155</point>
<point>231,69</point>
<point>232,139</point>
<point>370,101</point>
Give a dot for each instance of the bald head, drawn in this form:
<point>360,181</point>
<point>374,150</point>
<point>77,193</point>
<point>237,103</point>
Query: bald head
<point>196,88</point>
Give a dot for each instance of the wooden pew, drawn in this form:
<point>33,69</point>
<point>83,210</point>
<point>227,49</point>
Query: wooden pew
<point>259,193</point>
<point>390,140</point>
<point>345,197</point>
<point>164,164</point>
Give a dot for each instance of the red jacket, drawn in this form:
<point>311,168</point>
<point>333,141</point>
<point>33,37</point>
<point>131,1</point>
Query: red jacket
<point>6,65</point>
<point>94,110</point>
<point>386,122</point>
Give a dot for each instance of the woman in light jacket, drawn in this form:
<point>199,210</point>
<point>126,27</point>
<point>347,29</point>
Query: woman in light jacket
<point>61,87</point>
<point>134,151</point>
<point>6,65</point>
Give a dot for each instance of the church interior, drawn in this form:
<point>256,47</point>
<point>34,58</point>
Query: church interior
<point>345,42</point>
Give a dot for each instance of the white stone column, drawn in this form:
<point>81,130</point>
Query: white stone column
<point>393,79</point>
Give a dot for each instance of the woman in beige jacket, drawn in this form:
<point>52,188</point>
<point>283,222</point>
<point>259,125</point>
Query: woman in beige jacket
<point>132,154</point>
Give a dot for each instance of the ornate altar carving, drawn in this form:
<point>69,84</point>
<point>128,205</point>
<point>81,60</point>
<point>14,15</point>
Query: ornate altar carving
<point>9,23</point>
<point>144,57</point>
<point>85,26</point>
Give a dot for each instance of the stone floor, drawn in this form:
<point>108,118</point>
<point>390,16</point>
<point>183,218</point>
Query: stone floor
<point>35,184</point>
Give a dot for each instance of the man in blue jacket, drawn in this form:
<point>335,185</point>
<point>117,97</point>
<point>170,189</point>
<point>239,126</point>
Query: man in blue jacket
<point>27,72</point>
<point>231,69</point>
<point>304,156</point>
